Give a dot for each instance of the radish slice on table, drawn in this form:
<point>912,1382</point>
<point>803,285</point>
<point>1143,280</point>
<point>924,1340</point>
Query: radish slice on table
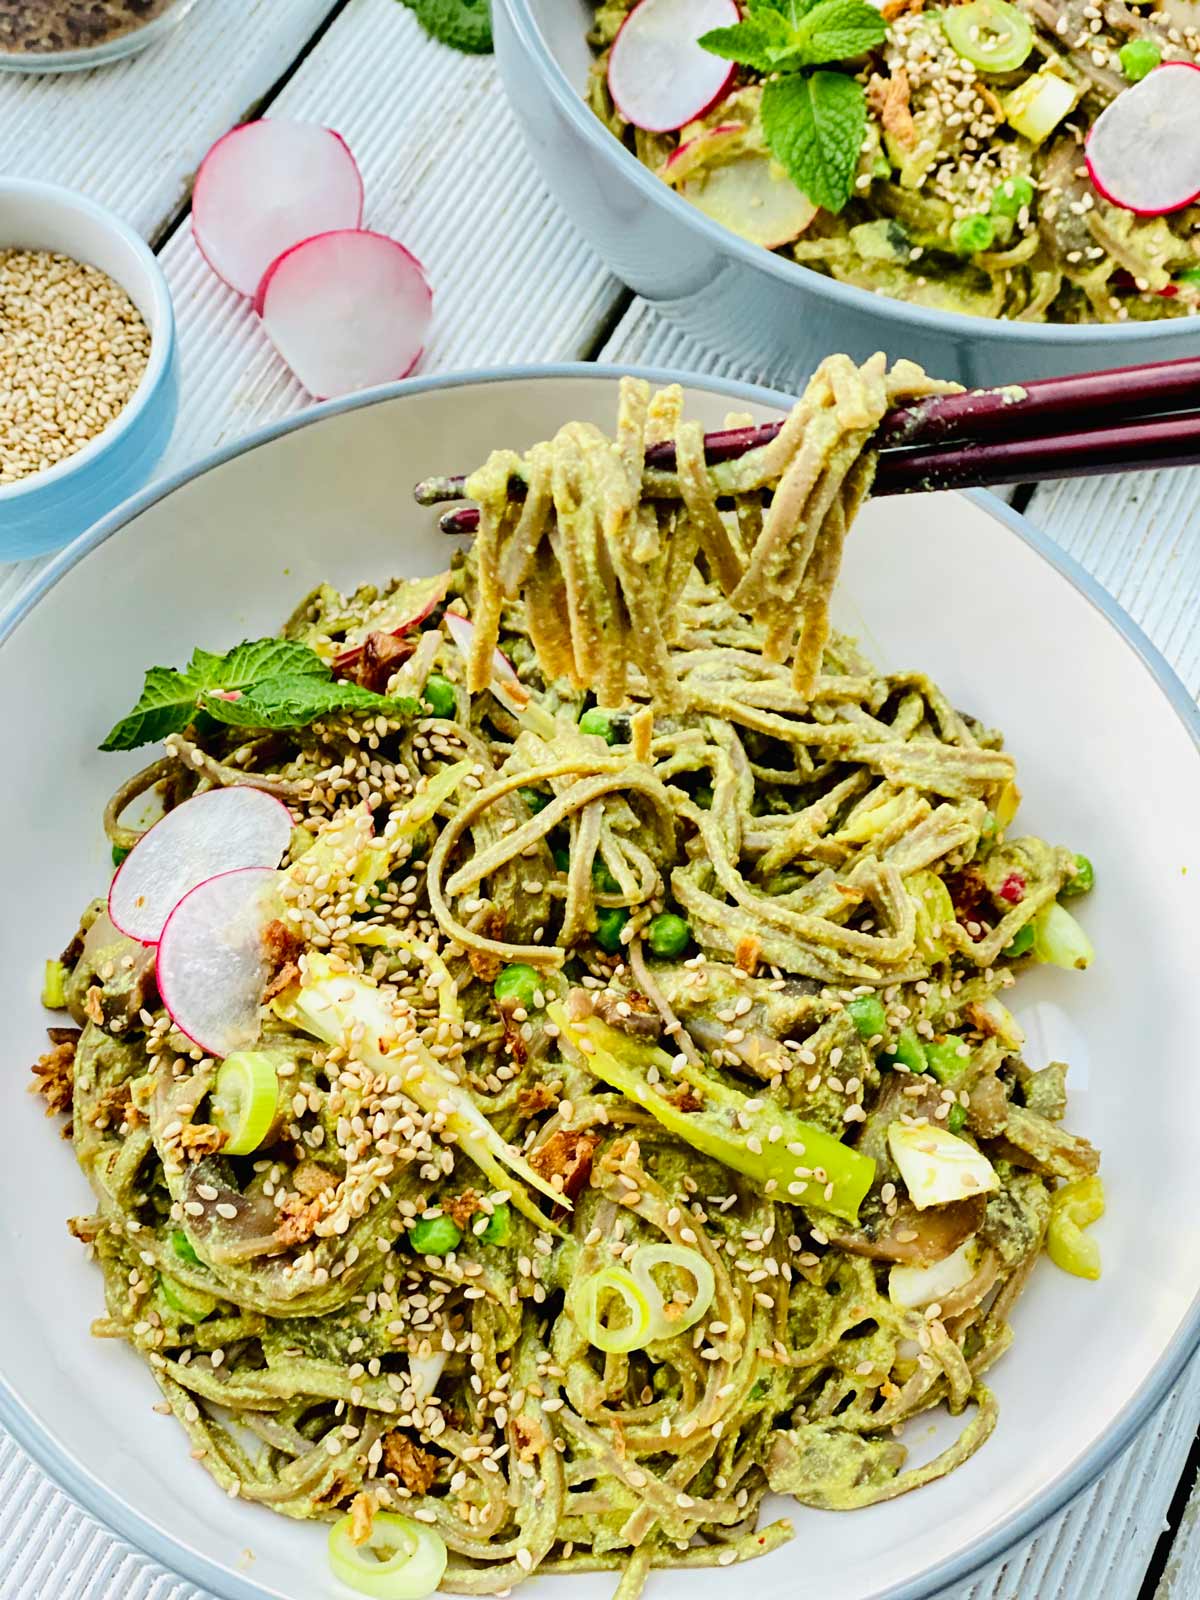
<point>404,609</point>
<point>266,186</point>
<point>752,197</point>
<point>212,961</point>
<point>659,76</point>
<point>1143,152</point>
<point>346,310</point>
<point>218,831</point>
<point>505,685</point>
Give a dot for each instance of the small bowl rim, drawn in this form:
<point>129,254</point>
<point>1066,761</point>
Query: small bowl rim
<point>162,337</point>
<point>33,63</point>
<point>125,1519</point>
<point>866,302</point>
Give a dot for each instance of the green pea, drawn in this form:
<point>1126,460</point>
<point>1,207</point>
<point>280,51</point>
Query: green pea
<point>602,879</point>
<point>438,694</point>
<point>119,852</point>
<point>971,234</point>
<point>594,720</point>
<point>499,1225</point>
<point>1083,880</point>
<point>609,923</point>
<point>519,983</point>
<point>943,1060</point>
<point>1012,197</point>
<point>909,1052</point>
<point>668,935</point>
<point>435,1236</point>
<point>562,857</point>
<point>1190,277</point>
<point>957,1120</point>
<point>535,799</point>
<point>1139,57</point>
<point>182,1247</point>
<point>1022,942</point>
<point>868,1016</point>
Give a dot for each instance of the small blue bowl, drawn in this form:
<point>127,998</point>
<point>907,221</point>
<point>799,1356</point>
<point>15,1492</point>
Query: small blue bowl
<point>46,511</point>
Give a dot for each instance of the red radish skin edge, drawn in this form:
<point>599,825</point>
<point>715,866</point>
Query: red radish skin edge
<point>194,800</point>
<point>1102,189</point>
<point>260,299</point>
<point>709,133</point>
<point>158,975</point>
<point>505,681</point>
<point>693,116</point>
<point>198,193</point>
<point>349,657</point>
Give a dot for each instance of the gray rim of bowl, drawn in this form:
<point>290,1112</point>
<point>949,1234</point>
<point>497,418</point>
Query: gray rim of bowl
<point>193,1564</point>
<point>33,62</point>
<point>162,339</point>
<point>883,307</point>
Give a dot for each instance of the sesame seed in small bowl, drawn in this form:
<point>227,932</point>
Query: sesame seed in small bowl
<point>88,367</point>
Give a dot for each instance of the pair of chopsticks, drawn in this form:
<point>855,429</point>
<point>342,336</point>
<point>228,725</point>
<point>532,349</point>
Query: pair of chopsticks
<point>1127,419</point>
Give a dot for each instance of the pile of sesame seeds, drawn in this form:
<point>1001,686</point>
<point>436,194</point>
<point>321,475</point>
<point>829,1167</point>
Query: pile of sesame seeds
<point>73,350</point>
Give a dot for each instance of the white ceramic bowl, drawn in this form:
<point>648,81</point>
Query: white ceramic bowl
<point>1107,746</point>
<point>48,510</point>
<point>776,317</point>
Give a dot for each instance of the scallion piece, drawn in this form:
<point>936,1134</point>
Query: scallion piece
<point>398,1560</point>
<point>244,1100</point>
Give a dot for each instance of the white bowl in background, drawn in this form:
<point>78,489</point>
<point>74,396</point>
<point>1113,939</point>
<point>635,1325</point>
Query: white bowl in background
<point>776,317</point>
<point>1107,747</point>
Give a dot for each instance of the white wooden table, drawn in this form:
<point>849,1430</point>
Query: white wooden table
<point>436,144</point>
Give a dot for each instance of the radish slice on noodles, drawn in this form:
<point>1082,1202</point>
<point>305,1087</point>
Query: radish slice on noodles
<point>505,685</point>
<point>218,831</point>
<point>398,613</point>
<point>1143,152</point>
<point>266,186</point>
<point>752,197</point>
<point>659,75</point>
<point>212,961</point>
<point>702,149</point>
<point>347,310</point>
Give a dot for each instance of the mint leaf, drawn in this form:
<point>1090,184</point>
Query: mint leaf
<point>838,30</point>
<point>263,683</point>
<point>167,705</point>
<point>248,663</point>
<point>464,25</point>
<point>814,127</point>
<point>761,42</point>
<point>792,11</point>
<point>296,702</point>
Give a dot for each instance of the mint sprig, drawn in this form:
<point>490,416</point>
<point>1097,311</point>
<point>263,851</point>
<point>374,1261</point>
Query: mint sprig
<point>813,122</point>
<point>464,25</point>
<point>263,683</point>
<point>814,125</point>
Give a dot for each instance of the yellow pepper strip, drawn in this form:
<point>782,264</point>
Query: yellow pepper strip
<point>1073,1208</point>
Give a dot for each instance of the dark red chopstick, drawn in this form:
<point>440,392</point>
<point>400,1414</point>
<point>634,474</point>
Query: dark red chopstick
<point>1053,428</point>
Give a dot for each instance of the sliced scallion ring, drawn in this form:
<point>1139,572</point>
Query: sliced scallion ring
<point>991,34</point>
<point>671,1317</point>
<point>399,1559</point>
<point>244,1099</point>
<point>642,1303</point>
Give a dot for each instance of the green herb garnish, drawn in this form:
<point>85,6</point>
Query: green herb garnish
<point>813,121</point>
<point>462,24</point>
<point>264,683</point>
